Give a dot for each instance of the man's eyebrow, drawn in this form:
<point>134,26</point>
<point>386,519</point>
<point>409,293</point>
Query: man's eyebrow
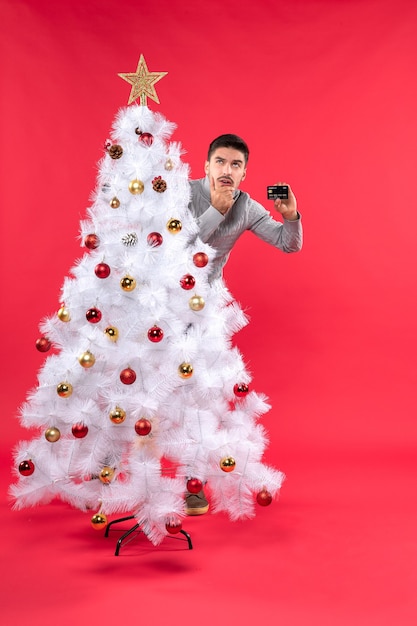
<point>220,158</point>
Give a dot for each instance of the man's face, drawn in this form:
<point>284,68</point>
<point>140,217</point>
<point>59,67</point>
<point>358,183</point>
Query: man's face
<point>226,167</point>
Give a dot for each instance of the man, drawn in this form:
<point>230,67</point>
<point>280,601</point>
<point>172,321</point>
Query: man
<point>223,213</point>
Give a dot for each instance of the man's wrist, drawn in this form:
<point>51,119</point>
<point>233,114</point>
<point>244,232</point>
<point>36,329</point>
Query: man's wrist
<point>221,211</point>
<point>292,217</point>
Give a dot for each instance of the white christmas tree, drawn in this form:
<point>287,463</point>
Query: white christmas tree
<point>143,396</point>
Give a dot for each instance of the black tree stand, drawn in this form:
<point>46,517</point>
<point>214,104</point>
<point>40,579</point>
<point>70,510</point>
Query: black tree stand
<point>121,541</point>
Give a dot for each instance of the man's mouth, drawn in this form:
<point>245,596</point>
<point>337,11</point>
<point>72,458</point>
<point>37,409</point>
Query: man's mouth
<point>224,180</point>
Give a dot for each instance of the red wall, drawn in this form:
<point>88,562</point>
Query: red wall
<point>325,94</point>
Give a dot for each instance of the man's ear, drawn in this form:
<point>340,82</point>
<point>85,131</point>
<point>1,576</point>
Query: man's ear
<point>244,175</point>
<point>206,167</point>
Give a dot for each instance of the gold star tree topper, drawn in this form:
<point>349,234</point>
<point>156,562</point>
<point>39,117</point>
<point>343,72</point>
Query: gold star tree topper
<point>143,83</point>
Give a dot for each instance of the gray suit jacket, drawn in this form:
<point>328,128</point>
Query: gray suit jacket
<point>221,232</point>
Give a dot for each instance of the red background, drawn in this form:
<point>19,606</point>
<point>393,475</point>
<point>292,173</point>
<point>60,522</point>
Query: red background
<point>325,94</point>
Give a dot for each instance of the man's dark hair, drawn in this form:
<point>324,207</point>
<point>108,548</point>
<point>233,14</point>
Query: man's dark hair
<point>229,141</point>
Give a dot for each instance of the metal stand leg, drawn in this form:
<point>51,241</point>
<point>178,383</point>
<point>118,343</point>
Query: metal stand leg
<point>188,539</point>
<point>116,521</point>
<point>135,527</point>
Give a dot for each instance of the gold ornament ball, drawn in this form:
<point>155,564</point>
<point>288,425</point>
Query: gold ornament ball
<point>99,521</point>
<point>63,314</point>
<point>106,474</point>
<point>196,303</point>
<point>128,283</point>
<point>228,464</point>
<point>174,226</point>
<point>115,203</point>
<point>169,165</point>
<point>52,434</point>
<point>87,359</point>
<point>118,415</point>
<point>64,390</point>
<point>112,333</point>
<point>136,186</point>
<point>185,370</point>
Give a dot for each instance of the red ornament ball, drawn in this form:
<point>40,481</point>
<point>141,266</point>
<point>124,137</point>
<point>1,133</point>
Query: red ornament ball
<point>241,389</point>
<point>102,270</point>
<point>154,239</point>
<point>173,528</point>
<point>146,139</point>
<point>143,427</point>
<point>194,485</point>
<point>155,334</point>
<point>128,376</point>
<point>200,259</point>
<point>93,315</point>
<point>43,344</point>
<point>79,430</point>
<point>26,468</point>
<point>91,241</point>
<point>187,281</point>
<point>264,498</point>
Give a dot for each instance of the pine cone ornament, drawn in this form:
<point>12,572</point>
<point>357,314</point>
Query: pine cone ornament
<point>131,239</point>
<point>159,184</point>
<point>115,151</point>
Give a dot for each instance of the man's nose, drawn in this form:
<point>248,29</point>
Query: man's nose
<point>227,168</point>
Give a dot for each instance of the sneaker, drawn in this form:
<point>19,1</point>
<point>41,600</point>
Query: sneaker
<point>196,503</point>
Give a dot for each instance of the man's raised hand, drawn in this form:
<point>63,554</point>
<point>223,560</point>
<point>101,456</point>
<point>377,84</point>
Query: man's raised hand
<point>221,197</point>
